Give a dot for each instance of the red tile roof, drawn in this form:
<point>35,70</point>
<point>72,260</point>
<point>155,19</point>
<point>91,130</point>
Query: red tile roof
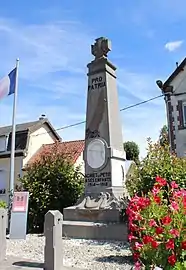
<point>70,149</point>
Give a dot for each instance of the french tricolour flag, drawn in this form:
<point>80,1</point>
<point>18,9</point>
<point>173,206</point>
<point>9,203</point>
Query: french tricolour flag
<point>7,84</point>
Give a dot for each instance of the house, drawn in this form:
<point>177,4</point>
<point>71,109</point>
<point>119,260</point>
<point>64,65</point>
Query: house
<point>29,138</point>
<point>174,90</point>
<point>71,150</point>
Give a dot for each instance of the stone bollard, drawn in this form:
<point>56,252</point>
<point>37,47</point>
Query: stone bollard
<point>53,253</point>
<point>3,223</point>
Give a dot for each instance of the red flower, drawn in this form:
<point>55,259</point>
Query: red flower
<point>137,266</point>
<point>166,220</point>
<point>136,256</point>
<point>138,203</point>
<point>133,215</point>
<point>147,239</point>
<point>137,246</point>
<point>174,206</point>
<point>133,227</point>
<point>162,182</point>
<point>131,237</point>
<point>184,202</point>
<point>157,199</point>
<point>179,193</point>
<point>174,185</point>
<point>155,190</point>
<point>183,245</point>
<point>142,229</point>
<point>174,232</point>
<point>159,230</point>
<point>154,244</point>
<point>172,259</point>
<point>152,223</point>
<point>170,244</point>
<point>143,202</point>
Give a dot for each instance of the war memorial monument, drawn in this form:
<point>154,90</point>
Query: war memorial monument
<point>97,215</point>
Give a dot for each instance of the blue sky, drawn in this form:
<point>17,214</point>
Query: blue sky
<point>52,40</point>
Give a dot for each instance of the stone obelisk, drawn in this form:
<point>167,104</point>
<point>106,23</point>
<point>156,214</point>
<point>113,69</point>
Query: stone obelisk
<point>104,155</point>
<point>97,214</point>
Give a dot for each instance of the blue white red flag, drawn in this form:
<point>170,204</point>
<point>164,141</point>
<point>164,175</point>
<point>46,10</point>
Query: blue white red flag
<point>7,84</point>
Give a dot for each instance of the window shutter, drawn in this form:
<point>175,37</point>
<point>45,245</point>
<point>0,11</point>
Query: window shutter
<point>180,114</point>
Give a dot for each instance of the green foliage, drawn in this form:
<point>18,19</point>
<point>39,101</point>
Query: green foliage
<point>2,204</point>
<point>132,151</point>
<point>159,161</point>
<point>164,138</point>
<point>53,184</point>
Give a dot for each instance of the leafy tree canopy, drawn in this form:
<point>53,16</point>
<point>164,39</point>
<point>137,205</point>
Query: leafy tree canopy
<point>163,137</point>
<point>132,151</point>
<point>53,184</point>
<point>158,162</point>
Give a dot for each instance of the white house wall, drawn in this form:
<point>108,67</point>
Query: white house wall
<point>80,162</point>
<point>37,139</point>
<point>177,133</point>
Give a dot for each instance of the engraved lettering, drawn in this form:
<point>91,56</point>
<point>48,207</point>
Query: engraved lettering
<point>102,179</point>
<point>96,83</point>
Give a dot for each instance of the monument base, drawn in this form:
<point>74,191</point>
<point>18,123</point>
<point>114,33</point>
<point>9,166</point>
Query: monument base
<point>96,217</point>
<point>96,231</point>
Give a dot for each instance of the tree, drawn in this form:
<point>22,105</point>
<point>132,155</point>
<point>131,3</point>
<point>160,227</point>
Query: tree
<point>132,151</point>
<point>163,137</point>
<point>158,162</point>
<point>53,184</point>
<point>2,204</point>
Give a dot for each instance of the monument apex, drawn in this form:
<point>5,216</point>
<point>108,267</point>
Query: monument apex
<point>101,47</point>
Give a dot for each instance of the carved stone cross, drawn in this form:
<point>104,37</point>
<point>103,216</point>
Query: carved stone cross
<point>101,47</point>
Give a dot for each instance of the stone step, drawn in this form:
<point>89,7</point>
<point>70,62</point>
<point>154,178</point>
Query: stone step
<point>91,215</point>
<point>92,230</point>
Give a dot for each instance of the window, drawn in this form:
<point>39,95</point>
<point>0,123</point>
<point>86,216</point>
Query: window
<point>184,113</point>
<point>3,182</point>
<point>3,143</point>
<point>20,140</point>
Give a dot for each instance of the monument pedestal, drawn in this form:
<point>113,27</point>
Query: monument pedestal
<point>97,217</point>
<point>97,214</point>
<point>113,231</point>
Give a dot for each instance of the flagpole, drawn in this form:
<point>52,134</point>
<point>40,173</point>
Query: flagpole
<point>12,156</point>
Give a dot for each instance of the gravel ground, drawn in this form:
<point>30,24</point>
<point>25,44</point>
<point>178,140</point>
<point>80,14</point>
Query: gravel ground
<point>84,254</point>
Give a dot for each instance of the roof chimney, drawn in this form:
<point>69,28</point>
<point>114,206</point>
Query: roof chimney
<point>42,117</point>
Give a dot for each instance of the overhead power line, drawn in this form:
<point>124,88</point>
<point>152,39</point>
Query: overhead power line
<point>123,109</point>
<point>140,103</point>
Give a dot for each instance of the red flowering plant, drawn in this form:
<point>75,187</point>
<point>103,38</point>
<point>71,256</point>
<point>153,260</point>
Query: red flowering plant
<point>157,227</point>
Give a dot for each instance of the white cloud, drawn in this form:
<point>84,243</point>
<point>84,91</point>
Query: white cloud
<point>173,45</point>
<point>59,116</point>
<point>53,58</point>
<point>138,85</point>
<point>44,48</point>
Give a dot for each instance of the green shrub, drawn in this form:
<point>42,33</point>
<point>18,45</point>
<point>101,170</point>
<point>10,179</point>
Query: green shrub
<point>159,161</point>
<point>53,184</point>
<point>2,204</point>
